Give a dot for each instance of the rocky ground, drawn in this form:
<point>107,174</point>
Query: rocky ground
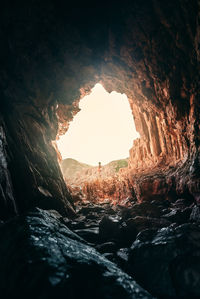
<point>147,250</point>
<point>108,181</point>
<point>42,258</point>
<point>157,242</point>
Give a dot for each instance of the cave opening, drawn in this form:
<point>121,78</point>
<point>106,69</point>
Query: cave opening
<point>103,130</point>
<point>95,148</point>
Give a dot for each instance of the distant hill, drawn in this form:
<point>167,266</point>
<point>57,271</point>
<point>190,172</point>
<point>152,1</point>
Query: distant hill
<point>70,167</point>
<point>117,164</point>
<point>76,171</point>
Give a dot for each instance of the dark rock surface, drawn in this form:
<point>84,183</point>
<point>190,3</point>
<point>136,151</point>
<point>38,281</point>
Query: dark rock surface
<point>195,214</point>
<point>89,234</point>
<point>57,254</point>
<point>178,215</point>
<point>146,209</point>
<point>108,228</point>
<point>41,258</point>
<point>139,223</point>
<point>158,252</point>
<point>107,247</point>
<point>167,261</point>
<point>7,201</point>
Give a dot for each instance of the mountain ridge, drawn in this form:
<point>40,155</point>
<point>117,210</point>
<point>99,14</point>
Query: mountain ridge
<point>72,168</point>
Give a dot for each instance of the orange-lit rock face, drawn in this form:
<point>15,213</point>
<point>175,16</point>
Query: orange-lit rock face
<point>65,114</point>
<point>114,190</point>
<point>161,146</point>
<point>108,183</point>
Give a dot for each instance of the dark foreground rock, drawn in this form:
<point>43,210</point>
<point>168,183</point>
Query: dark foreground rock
<point>195,214</point>
<point>167,262</point>
<point>108,228</point>
<point>41,258</point>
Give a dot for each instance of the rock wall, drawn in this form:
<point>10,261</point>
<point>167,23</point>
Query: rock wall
<point>7,204</point>
<point>160,76</point>
<point>52,54</point>
<point>35,173</point>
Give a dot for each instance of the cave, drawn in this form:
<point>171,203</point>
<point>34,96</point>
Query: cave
<point>144,242</point>
<point>103,130</point>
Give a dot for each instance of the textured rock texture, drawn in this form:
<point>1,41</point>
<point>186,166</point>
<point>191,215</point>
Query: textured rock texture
<point>7,204</point>
<point>172,254</point>
<point>98,184</point>
<point>56,263</point>
<point>156,242</point>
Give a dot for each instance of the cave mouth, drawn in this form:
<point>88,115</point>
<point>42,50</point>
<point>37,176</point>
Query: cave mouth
<point>96,146</point>
<point>103,130</point>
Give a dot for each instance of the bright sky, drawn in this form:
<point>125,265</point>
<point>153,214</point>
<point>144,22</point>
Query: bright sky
<point>102,131</point>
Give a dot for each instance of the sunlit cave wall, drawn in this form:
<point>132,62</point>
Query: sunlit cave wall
<point>155,59</point>
<point>51,56</point>
<point>156,65</point>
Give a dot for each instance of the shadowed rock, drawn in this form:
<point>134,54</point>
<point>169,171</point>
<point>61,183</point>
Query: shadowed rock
<point>41,258</point>
<point>172,256</point>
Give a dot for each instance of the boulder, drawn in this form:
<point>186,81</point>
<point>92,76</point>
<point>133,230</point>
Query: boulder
<point>121,258</point>
<point>183,203</point>
<point>195,214</point>
<point>108,247</point>
<point>144,209</point>
<point>137,224</point>
<point>167,262</point>
<point>108,228</point>
<point>89,234</point>
<point>41,258</point>
<point>179,216</point>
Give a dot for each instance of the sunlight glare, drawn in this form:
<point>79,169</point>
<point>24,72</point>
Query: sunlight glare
<point>102,131</point>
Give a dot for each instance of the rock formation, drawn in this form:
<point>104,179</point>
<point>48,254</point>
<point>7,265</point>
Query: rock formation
<point>107,183</point>
<point>54,260</point>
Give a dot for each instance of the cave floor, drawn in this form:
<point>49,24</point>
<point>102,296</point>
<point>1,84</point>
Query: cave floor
<point>153,241</point>
<point>144,250</point>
